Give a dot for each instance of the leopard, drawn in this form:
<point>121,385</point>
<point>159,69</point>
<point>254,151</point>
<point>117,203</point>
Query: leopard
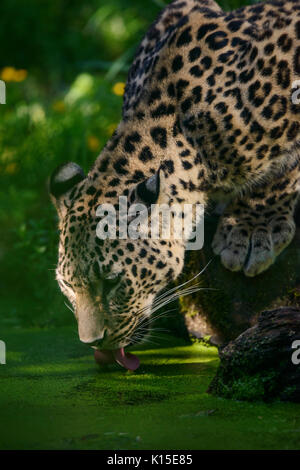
<point>208,115</point>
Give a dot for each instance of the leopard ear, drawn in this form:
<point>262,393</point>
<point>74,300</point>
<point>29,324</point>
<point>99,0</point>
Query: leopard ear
<point>62,180</point>
<point>151,190</point>
<point>148,190</point>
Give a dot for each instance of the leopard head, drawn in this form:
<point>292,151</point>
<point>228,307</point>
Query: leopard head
<point>111,283</point>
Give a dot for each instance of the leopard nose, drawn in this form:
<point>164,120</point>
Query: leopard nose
<point>96,341</point>
<point>91,326</point>
<point>90,330</point>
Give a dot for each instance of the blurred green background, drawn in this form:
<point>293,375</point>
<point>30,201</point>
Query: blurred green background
<point>64,63</point>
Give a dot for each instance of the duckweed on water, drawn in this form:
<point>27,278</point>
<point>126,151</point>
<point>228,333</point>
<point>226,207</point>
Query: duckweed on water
<point>53,396</point>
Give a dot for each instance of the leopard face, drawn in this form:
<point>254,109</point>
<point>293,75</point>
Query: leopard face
<point>110,283</point>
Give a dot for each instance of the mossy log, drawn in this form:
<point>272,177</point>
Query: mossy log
<point>233,301</point>
<point>263,363</point>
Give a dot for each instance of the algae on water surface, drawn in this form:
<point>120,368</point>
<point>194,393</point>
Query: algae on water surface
<point>53,396</point>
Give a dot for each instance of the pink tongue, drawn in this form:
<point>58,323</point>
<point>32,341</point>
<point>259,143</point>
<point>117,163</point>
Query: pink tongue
<point>127,360</point>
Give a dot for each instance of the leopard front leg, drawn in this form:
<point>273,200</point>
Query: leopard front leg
<point>254,230</point>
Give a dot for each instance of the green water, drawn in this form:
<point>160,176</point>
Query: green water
<point>53,396</point>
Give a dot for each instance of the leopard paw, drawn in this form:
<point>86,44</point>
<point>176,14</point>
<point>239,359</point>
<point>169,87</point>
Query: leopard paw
<point>244,245</point>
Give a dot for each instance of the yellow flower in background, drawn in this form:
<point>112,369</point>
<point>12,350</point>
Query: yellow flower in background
<point>20,75</point>
<point>10,74</point>
<point>111,129</point>
<point>93,143</point>
<point>7,74</point>
<point>59,106</point>
<point>119,88</point>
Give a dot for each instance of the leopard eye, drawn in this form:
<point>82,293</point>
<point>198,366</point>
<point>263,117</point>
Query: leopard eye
<point>109,284</point>
<point>113,281</point>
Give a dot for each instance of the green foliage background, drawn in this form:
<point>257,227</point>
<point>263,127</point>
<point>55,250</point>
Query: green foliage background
<point>74,52</point>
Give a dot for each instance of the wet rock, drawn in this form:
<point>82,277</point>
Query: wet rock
<point>263,363</point>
